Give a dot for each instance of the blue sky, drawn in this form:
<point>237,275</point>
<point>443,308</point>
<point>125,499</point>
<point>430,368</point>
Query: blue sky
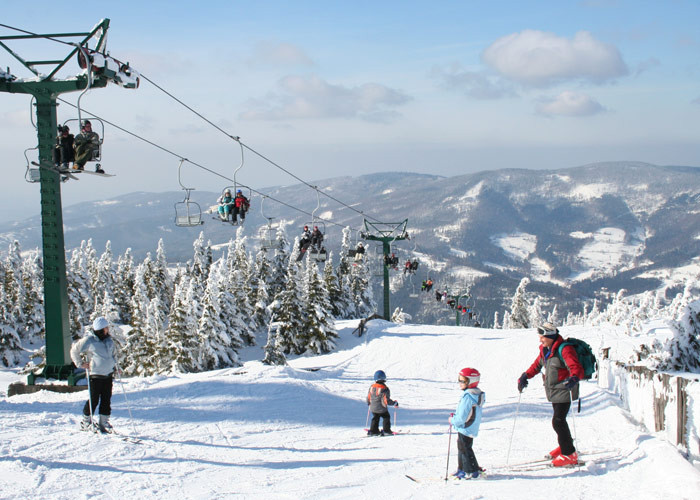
<point>347,88</point>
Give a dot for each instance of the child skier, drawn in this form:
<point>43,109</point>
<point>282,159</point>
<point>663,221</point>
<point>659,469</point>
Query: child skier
<point>100,367</point>
<point>466,420</point>
<point>379,399</point>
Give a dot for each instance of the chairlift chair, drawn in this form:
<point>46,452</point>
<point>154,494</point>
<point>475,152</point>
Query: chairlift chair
<point>32,174</point>
<point>188,213</point>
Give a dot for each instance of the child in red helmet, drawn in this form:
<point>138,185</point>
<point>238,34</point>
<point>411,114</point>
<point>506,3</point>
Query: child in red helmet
<point>466,420</point>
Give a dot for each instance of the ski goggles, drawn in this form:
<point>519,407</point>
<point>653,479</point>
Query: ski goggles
<point>462,380</point>
<point>546,332</point>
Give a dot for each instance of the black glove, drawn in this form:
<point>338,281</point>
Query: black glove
<point>571,382</point>
<point>522,382</point>
<point>396,403</point>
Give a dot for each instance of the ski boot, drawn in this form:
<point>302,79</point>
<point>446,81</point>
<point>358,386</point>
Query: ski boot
<point>554,453</point>
<point>86,424</point>
<point>566,460</point>
<point>104,426</point>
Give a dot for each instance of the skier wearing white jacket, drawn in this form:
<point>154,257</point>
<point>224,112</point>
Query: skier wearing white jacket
<point>99,348</point>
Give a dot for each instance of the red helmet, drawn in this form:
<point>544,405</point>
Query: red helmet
<point>472,375</point>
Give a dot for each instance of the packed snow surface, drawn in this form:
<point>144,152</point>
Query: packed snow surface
<point>266,432</point>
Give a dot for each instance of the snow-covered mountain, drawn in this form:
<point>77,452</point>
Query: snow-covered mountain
<point>573,232</point>
<point>296,431</point>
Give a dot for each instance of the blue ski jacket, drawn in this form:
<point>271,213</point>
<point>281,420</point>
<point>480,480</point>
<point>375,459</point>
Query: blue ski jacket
<point>467,417</point>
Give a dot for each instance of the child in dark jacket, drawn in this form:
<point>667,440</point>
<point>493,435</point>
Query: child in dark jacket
<point>379,400</point>
<point>466,420</point>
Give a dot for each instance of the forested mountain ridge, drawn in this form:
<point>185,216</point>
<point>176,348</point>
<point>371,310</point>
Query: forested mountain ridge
<point>572,231</point>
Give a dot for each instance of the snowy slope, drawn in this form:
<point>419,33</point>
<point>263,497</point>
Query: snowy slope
<point>297,431</point>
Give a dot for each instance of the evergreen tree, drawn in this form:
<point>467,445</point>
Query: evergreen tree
<point>496,325</point>
<point>217,348</point>
<point>162,280</point>
<point>262,273</point>
<point>79,296</point>
<point>202,260</point>
<point>519,317</point>
<point>124,286</point>
<point>288,312</point>
<point>181,341</point>
<point>15,287</point>
<point>681,353</point>
<point>141,356</point>
<point>318,330</point>
<point>10,345</point>
<point>279,262</point>
<point>361,287</point>
<point>273,354</point>
<point>330,281</point>
<point>33,277</point>
<point>535,314</point>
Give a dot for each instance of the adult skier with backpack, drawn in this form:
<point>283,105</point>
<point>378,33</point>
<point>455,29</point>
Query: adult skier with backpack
<point>562,372</point>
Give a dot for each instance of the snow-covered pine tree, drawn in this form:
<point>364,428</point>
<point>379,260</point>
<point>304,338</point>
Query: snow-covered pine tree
<point>162,281</point>
<point>124,285</point>
<point>140,356</point>
<point>535,314</point>
<point>10,345</point>
<point>201,261</point>
<point>506,320</point>
<point>496,325</point>
<point>14,285</point>
<point>239,284</point>
<point>181,341</point>
<point>361,288</point>
<point>519,317</point>
<point>33,276</point>
<point>217,347</point>
<point>262,273</point>
<point>681,353</point>
<point>273,354</point>
<point>79,294</point>
<point>288,311</point>
<point>553,316</point>
<point>330,282</point>
<point>279,263</point>
<point>104,278</point>
<point>319,329</point>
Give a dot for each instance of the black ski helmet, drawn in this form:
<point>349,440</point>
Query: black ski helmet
<point>379,375</point>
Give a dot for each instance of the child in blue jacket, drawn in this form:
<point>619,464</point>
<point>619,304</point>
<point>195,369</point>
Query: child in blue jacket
<point>466,420</point>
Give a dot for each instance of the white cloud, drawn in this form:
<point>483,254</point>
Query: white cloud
<point>539,59</point>
<point>279,54</point>
<point>312,97</point>
<point>569,103</point>
<point>476,84</point>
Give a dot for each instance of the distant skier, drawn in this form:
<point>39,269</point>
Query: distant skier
<point>241,206</point>
<point>466,420</point>
<point>99,348</point>
<point>561,377</point>
<point>379,400</point>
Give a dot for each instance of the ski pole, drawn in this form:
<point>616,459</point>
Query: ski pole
<point>395,417</point>
<point>367,421</point>
<point>517,410</point>
<point>573,417</point>
<point>87,377</point>
<point>449,442</point>
<point>128,407</point>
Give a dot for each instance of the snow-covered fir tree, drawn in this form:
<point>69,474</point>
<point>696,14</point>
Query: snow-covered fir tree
<point>399,317</point>
<point>181,341</point>
<point>201,261</point>
<point>278,262</point>
<point>318,331</point>
<point>534,312</point>
<point>124,285</point>
<point>361,289</point>
<point>273,354</point>
<point>80,298</point>
<point>262,277</point>
<point>681,353</point>
<point>288,310</point>
<point>218,350</point>
<point>141,357</point>
<point>33,277</point>
<point>10,344</point>
<point>15,286</point>
<point>519,315</point>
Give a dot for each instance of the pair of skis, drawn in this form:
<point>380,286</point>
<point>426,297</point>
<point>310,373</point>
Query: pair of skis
<point>129,439</point>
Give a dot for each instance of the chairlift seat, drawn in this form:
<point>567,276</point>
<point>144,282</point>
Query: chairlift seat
<point>34,175</point>
<point>188,220</point>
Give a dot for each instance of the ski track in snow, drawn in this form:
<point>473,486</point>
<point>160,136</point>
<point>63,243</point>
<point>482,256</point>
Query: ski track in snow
<point>265,432</point>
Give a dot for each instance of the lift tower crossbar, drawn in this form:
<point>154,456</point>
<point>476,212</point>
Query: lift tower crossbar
<point>385,232</point>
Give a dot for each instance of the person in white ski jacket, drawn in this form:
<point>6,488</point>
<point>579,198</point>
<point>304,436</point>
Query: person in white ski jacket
<point>100,351</point>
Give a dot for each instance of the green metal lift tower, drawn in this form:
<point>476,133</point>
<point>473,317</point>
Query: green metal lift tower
<point>386,233</point>
<point>45,87</point>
